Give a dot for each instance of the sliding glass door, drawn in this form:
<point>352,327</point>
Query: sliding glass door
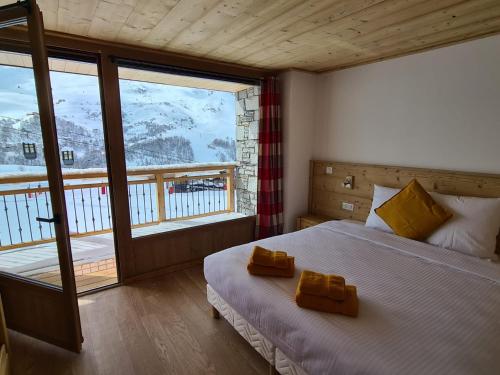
<point>34,207</point>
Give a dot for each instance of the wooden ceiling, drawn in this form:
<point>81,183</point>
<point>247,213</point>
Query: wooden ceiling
<point>314,35</point>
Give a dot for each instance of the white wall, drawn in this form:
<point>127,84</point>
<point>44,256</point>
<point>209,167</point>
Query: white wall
<point>298,90</point>
<point>437,109</point>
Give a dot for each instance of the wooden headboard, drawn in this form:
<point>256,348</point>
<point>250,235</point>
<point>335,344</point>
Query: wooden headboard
<point>327,193</point>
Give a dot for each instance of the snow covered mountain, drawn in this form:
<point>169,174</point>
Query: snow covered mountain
<point>162,124</point>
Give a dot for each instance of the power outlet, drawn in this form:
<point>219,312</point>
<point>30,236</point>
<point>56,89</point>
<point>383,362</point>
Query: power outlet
<point>347,206</point>
<point>329,170</point>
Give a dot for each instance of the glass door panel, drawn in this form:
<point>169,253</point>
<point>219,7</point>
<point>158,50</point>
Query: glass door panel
<point>77,107</point>
<point>27,246</point>
<point>35,253</point>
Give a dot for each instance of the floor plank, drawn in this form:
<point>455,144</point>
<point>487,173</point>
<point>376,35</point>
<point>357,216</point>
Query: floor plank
<point>157,326</point>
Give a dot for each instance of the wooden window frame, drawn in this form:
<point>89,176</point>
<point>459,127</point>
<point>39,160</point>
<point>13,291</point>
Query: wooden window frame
<point>107,54</point>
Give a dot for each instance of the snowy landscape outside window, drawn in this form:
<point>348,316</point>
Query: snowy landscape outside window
<point>180,138</point>
<point>27,246</point>
<point>166,124</point>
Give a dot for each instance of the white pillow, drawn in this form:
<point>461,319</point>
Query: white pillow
<point>381,194</point>
<point>474,227</point>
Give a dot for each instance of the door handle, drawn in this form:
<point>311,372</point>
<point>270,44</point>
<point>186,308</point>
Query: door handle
<point>54,219</point>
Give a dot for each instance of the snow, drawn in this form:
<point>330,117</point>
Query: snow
<point>150,112</point>
<point>152,115</point>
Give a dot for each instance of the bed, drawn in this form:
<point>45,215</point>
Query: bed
<point>423,309</point>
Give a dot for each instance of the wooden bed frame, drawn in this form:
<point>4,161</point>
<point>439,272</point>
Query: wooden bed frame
<point>327,191</point>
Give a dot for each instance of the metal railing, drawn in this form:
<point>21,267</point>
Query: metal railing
<point>155,195</point>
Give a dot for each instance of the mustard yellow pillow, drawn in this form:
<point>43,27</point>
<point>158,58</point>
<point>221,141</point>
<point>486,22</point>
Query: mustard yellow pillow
<point>412,213</point>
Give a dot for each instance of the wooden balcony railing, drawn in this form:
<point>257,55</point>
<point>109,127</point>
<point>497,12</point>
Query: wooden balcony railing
<point>155,194</point>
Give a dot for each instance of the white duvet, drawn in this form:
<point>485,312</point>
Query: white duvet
<point>423,310</point>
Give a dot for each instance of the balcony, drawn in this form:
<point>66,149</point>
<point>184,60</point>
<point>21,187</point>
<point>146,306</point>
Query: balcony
<point>161,198</point>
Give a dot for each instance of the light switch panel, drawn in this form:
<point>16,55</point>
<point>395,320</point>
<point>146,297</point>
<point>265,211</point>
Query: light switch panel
<point>329,170</point>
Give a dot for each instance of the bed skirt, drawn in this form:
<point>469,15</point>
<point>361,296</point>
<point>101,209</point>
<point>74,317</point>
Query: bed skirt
<point>263,346</point>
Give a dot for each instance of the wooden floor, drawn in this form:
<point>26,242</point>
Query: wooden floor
<point>157,326</point>
<point>88,276</point>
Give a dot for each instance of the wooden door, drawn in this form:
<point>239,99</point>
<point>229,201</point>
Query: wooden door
<point>39,309</point>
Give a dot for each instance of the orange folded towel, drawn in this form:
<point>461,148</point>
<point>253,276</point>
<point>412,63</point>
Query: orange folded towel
<point>349,306</point>
<point>320,285</point>
<point>258,270</point>
<point>265,262</point>
<point>268,258</point>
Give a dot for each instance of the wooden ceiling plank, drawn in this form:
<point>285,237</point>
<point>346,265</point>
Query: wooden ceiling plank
<point>222,15</point>
<point>335,12</point>
<point>427,41</point>
<point>376,18</point>
<point>458,23</point>
<point>399,33</point>
<point>13,59</point>
<point>109,18</point>
<point>57,65</point>
<point>325,36</point>
<point>3,60</point>
<point>300,18</point>
<point>300,54</point>
<point>73,16</point>
<point>181,81</point>
<point>50,9</point>
<point>143,18</point>
<point>266,21</point>
<point>259,13</point>
<point>463,12</point>
<point>391,23</point>
<point>446,38</point>
<point>182,15</point>
<point>397,24</point>
<point>27,61</point>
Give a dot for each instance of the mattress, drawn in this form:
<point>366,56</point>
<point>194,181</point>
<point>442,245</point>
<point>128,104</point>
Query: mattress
<point>422,309</point>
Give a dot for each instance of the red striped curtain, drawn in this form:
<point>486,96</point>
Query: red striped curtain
<point>270,168</point>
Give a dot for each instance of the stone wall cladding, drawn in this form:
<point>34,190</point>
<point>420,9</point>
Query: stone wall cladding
<point>247,149</point>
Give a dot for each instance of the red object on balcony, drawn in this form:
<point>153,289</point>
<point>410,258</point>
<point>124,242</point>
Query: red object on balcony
<point>103,190</point>
<point>171,190</point>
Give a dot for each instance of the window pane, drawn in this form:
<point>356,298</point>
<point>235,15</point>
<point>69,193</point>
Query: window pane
<point>77,105</point>
<point>27,247</point>
<point>180,148</point>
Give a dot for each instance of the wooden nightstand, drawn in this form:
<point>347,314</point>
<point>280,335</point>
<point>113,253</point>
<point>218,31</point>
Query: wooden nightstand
<point>308,220</point>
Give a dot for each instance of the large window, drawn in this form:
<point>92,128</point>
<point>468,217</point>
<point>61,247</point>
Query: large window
<point>180,148</point>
